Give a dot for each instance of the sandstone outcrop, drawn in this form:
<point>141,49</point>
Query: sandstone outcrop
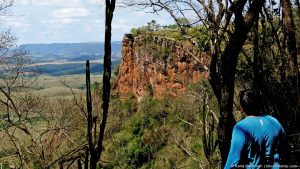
<point>163,67</point>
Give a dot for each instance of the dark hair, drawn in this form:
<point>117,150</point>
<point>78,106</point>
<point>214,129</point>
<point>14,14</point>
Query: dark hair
<point>250,101</point>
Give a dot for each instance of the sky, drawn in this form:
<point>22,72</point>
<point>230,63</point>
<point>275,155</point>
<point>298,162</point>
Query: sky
<point>71,21</point>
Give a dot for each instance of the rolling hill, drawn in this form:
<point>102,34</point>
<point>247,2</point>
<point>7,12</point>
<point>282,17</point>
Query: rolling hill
<point>69,58</point>
<point>70,51</point>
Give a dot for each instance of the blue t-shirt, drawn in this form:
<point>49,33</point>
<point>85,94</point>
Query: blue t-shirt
<point>256,142</point>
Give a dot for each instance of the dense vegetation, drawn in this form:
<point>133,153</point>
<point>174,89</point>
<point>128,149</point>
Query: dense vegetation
<point>156,134</point>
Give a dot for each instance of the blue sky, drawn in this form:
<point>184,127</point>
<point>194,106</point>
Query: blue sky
<point>59,21</point>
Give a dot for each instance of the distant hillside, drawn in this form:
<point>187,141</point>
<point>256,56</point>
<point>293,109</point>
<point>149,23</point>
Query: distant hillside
<point>72,51</point>
<point>71,68</point>
<point>69,58</point>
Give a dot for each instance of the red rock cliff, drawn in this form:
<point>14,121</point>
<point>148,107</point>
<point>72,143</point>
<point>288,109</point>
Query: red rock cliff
<point>164,66</point>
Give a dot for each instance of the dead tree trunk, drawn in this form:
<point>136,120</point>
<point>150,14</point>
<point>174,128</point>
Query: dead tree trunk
<point>91,148</point>
<point>109,10</point>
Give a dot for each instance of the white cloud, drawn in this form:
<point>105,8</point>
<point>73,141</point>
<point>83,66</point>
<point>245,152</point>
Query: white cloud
<point>22,2</point>
<point>121,25</point>
<point>69,20</point>
<point>16,23</point>
<point>140,13</point>
<point>72,3</point>
<point>57,24</point>
<point>97,2</point>
<point>91,28</point>
<point>70,13</point>
<point>99,21</point>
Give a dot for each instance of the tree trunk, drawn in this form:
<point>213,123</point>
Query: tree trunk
<point>95,151</point>
<point>229,63</point>
<point>257,60</point>
<point>290,34</point>
<point>79,166</point>
<point>91,147</point>
<point>289,31</point>
<point>86,159</point>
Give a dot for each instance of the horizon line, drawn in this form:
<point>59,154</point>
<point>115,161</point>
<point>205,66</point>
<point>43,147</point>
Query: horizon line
<point>51,43</point>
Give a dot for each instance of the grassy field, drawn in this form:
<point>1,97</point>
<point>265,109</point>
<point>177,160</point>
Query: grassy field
<point>57,86</point>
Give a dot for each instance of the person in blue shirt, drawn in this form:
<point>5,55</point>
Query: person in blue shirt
<point>258,140</point>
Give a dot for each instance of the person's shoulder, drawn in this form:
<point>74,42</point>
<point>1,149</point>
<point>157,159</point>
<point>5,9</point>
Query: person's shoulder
<point>273,119</point>
<point>243,127</point>
<point>243,123</point>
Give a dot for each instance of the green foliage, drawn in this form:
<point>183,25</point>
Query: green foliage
<point>7,152</point>
<point>154,135</point>
<point>199,34</point>
<point>160,53</point>
<point>183,21</point>
<point>4,124</point>
<point>95,86</point>
<point>149,89</point>
<point>5,165</point>
<point>138,31</point>
<point>37,165</point>
<point>135,153</point>
<point>198,144</point>
<point>36,120</point>
<point>173,26</point>
<point>150,27</point>
<point>209,138</point>
<point>126,106</point>
<point>201,37</point>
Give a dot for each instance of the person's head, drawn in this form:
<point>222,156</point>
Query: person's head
<point>250,102</point>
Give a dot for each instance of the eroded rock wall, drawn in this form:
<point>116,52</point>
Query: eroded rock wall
<point>163,67</point>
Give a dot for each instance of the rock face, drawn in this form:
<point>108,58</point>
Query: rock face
<point>162,67</point>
